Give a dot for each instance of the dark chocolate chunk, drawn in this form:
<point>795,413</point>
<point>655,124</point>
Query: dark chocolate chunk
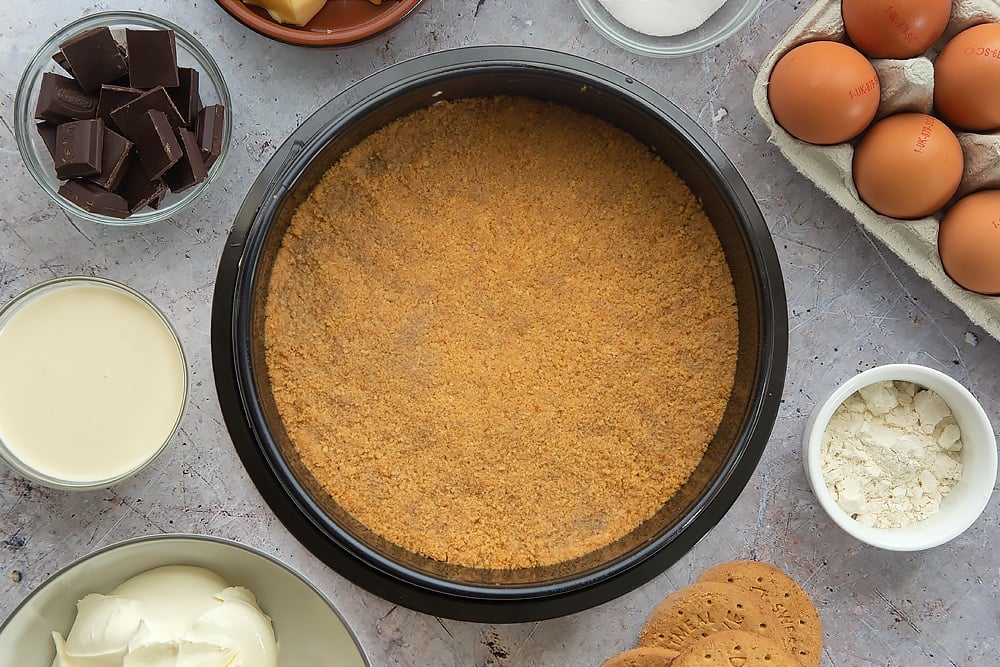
<point>61,98</point>
<point>60,59</point>
<point>112,97</point>
<point>186,96</point>
<point>47,131</point>
<point>152,58</point>
<point>208,129</point>
<point>157,98</point>
<point>79,148</point>
<point>117,150</point>
<point>94,58</point>
<point>155,142</point>
<point>190,169</point>
<point>122,81</point>
<point>138,190</point>
<point>94,198</point>
<point>157,201</point>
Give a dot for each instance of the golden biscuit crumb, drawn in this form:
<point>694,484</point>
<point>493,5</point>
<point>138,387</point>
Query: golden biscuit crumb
<point>501,333</point>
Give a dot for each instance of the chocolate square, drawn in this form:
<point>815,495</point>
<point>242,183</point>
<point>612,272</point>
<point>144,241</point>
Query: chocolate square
<point>186,96</point>
<point>190,169</point>
<point>94,198</point>
<point>47,131</point>
<point>60,59</point>
<point>208,130</point>
<point>157,98</point>
<point>157,201</point>
<point>61,98</point>
<point>152,58</point>
<point>115,156</point>
<point>94,58</point>
<point>138,190</point>
<point>112,97</point>
<point>79,148</point>
<point>122,81</point>
<point>155,142</point>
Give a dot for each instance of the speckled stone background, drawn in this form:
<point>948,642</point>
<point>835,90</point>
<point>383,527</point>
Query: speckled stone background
<point>851,305</point>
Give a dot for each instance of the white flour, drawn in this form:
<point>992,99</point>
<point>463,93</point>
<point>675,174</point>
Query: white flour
<point>662,18</point>
<point>890,454</point>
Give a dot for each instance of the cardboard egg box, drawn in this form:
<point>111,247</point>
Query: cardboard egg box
<point>906,85</point>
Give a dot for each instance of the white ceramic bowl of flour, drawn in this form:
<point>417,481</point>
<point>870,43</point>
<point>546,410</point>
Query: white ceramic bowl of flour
<point>963,503</point>
<point>93,383</point>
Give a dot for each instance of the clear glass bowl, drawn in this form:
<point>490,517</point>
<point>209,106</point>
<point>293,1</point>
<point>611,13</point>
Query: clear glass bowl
<point>169,357</point>
<point>190,53</point>
<point>730,18</point>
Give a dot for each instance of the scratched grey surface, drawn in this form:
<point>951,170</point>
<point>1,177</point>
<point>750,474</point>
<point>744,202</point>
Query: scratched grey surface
<point>852,305</point>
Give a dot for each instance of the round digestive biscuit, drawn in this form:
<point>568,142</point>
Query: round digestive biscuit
<point>735,648</point>
<point>797,615</point>
<point>643,656</point>
<point>704,608</point>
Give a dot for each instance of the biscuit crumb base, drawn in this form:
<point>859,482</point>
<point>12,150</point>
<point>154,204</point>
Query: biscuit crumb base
<point>501,333</point>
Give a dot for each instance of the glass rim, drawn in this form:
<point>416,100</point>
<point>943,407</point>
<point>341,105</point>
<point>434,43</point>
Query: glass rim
<point>40,62</point>
<point>25,297</point>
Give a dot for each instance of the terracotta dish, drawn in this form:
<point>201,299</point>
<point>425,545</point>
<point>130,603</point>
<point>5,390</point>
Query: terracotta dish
<point>339,23</point>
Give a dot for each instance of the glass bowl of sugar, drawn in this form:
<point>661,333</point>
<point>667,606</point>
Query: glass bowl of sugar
<point>902,457</point>
<point>668,28</point>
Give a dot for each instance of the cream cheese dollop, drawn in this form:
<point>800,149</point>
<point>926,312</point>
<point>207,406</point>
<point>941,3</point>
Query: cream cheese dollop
<point>171,616</point>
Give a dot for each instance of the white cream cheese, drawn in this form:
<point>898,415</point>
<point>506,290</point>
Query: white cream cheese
<point>172,616</point>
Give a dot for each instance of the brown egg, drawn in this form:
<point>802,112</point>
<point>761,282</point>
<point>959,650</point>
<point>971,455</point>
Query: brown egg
<point>967,79</point>
<point>969,242</point>
<point>823,92</point>
<point>907,165</point>
<point>893,29</point>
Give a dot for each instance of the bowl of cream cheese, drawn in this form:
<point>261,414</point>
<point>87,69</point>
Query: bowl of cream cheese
<point>901,456</point>
<point>179,600</point>
<point>668,28</point>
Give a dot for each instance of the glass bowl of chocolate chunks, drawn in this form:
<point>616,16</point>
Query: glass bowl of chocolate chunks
<point>123,118</point>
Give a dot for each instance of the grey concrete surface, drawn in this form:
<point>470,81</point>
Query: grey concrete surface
<point>852,305</point>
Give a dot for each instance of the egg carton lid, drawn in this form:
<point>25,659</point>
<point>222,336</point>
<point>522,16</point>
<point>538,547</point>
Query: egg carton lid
<point>829,167</point>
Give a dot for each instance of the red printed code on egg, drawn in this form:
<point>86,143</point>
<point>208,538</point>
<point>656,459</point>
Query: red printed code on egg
<point>925,135</point>
<point>901,25</point>
<point>865,88</point>
<point>982,51</point>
